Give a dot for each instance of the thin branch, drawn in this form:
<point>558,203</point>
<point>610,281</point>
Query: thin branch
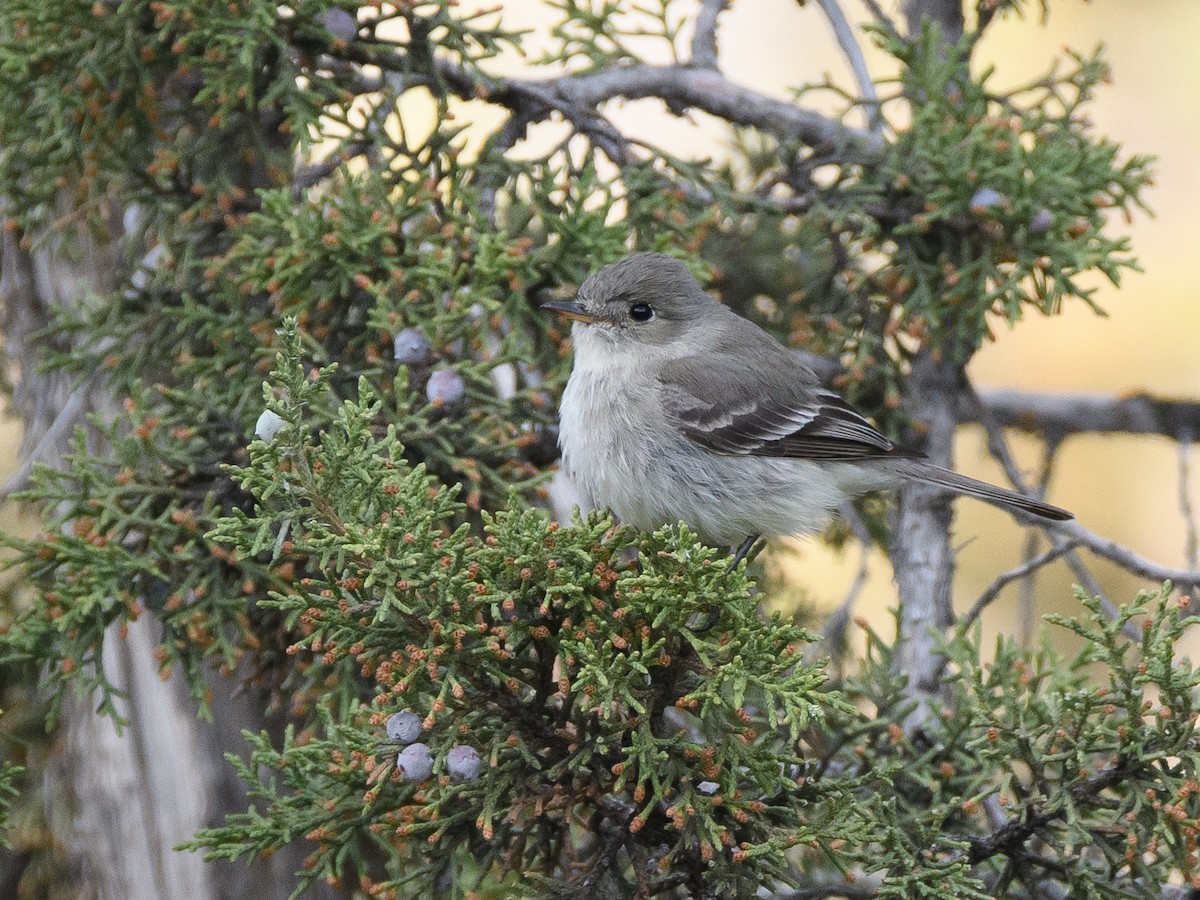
<point>1126,559</point>
<point>1026,601</point>
<point>680,87</point>
<point>1191,544</point>
<point>310,175</point>
<point>51,440</point>
<point>1010,838</point>
<point>704,42</point>
<point>1061,415</point>
<point>1029,566</point>
<point>1102,547</point>
<point>844,34</point>
<point>882,18</point>
<point>834,628</point>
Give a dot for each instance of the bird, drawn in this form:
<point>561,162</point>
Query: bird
<point>677,409</point>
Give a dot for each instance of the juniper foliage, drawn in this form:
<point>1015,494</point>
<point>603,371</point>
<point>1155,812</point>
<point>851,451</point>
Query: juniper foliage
<point>387,548</point>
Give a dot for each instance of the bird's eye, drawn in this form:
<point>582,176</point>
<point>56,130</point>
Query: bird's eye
<point>641,312</point>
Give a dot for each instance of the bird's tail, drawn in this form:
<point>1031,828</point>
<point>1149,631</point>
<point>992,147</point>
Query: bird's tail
<point>961,484</point>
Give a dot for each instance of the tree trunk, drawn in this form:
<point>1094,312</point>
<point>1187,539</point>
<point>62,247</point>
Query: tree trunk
<point>123,801</point>
<point>921,553</point>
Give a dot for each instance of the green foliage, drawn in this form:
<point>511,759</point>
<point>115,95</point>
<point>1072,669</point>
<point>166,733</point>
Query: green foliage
<point>584,682</point>
<point>985,205</point>
<point>997,203</point>
<point>385,550</point>
<point>1080,772</point>
<point>598,706</point>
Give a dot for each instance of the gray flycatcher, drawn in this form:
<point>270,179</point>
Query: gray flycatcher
<point>678,409</point>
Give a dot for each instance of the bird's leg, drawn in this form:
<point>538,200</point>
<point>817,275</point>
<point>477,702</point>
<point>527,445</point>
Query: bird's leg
<point>743,550</point>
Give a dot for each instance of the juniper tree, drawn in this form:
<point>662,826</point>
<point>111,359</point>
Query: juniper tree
<point>293,330</point>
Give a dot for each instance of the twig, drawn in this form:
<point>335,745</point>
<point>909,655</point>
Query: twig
<point>704,41</point>
<point>1027,599</point>
<point>1076,533</point>
<point>1026,593</point>
<point>844,34</point>
<point>1126,559</point>
<point>997,444</point>
<point>1191,543</point>
<point>1029,566</point>
<point>1010,838</point>
<point>835,624</point>
<point>310,175</point>
<point>66,419</point>
<point>886,21</point>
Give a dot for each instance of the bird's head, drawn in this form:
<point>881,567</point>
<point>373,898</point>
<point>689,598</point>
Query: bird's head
<point>648,298</point>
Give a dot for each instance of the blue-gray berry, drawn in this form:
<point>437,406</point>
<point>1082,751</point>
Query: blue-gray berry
<point>404,727</point>
<point>462,763</point>
<point>415,762</point>
<point>339,23</point>
<point>1041,221</point>
<point>984,199</point>
<point>445,386</point>
<point>410,347</point>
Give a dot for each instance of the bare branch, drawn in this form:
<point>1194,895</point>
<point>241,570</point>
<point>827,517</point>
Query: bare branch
<point>1027,600</point>
<point>1010,838</point>
<point>704,42</point>
<point>1126,559</point>
<point>844,34</point>
<point>1191,544</point>
<point>882,17</point>
<point>1102,547</point>
<point>834,629</point>
<point>1060,415</point>
<point>993,590</point>
<point>680,87</point>
<point>49,442</point>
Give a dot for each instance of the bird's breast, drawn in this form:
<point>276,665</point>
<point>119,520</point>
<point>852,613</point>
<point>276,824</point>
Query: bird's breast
<point>609,424</point>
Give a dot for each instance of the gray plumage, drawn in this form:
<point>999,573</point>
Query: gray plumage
<point>679,409</point>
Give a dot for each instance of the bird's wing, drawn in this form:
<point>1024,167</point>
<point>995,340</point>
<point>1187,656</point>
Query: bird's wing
<point>767,407</point>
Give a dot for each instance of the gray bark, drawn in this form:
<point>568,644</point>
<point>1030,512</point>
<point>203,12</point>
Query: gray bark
<point>123,801</point>
<point>922,557</point>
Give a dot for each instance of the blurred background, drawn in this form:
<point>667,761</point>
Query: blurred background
<point>1123,487</point>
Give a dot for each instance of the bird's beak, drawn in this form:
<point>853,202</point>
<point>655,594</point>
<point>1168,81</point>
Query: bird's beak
<point>570,309</point>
